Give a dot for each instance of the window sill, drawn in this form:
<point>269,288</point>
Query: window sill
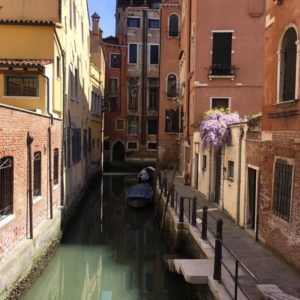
<point>211,77</point>
<point>37,199</point>
<point>55,187</point>
<point>22,97</point>
<point>7,220</point>
<point>286,103</point>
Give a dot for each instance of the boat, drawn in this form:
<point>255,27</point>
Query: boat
<point>140,195</point>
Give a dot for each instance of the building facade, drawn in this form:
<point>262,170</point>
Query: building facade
<point>222,68</point>
<point>274,154</point>
<point>171,92</point>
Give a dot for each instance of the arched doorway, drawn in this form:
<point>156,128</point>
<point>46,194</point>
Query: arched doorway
<point>118,151</point>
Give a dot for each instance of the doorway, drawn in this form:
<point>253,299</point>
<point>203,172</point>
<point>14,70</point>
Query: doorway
<point>252,198</point>
<point>196,170</point>
<point>118,151</point>
<point>218,175</point>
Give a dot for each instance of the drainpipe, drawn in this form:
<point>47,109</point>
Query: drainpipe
<point>144,79</point>
<point>238,198</point>
<point>63,135</point>
<point>49,149</point>
<point>29,154</point>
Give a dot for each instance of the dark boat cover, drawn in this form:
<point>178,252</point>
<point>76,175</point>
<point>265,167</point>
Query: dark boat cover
<point>140,191</point>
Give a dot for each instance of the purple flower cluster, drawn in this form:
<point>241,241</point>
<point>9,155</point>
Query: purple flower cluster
<point>214,131</point>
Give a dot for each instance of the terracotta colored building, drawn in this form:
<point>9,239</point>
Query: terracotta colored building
<point>221,66</point>
<point>133,73</point>
<point>274,154</point>
<point>171,93</point>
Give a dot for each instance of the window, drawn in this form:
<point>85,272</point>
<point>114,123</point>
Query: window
<point>115,60</point>
<point>153,23</point>
<point>155,5</point>
<point>152,126</point>
<point>74,14</point>
<point>204,161</point>
<point>90,139</point>
<point>132,53</point>
<point>133,22</point>
<point>21,85</point>
<point>6,186</point>
<point>132,146</point>
<point>120,124</point>
<point>113,104</point>
<point>132,125</point>
<point>96,104</point>
<point>172,121</point>
<point>37,176</point>
<point>171,86</point>
<point>282,189</point>
<point>221,57</point>
<point>154,54</point>
<point>85,143</point>
<point>153,97</point>
<point>68,150</point>
<point>113,85</point>
<point>93,142</point>
<point>174,26</point>
<point>230,175</point>
<point>76,145</point>
<point>106,145</point>
<point>76,84</point>
<point>133,97</point>
<point>57,66</point>
<point>220,103</point>
<point>288,62</point>
<point>55,166</point>
<point>152,146</point>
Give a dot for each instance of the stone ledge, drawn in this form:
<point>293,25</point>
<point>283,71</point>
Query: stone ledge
<point>272,292</point>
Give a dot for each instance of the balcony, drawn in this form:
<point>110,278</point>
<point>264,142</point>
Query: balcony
<point>222,71</point>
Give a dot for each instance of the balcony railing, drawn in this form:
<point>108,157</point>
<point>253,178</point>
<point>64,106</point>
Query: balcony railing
<point>222,70</point>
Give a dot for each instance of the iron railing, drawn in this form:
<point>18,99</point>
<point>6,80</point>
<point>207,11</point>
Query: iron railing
<point>222,70</point>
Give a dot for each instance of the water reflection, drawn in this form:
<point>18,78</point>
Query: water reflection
<point>108,252</point>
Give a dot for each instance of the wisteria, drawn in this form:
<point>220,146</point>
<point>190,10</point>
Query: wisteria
<point>214,131</point>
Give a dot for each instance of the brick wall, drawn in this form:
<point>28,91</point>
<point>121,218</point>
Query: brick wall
<point>14,125</point>
<point>281,236</point>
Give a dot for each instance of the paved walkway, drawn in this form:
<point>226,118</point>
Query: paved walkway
<point>259,260</point>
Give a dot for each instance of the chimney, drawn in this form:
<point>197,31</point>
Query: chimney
<point>96,20</point>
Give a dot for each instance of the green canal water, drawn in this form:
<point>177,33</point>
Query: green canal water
<point>109,252</point>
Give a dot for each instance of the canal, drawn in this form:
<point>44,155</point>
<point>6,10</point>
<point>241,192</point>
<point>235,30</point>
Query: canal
<point>109,251</point>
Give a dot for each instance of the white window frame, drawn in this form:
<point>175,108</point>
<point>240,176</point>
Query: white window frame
<point>137,53</point>
<point>152,143</point>
<point>137,146</point>
<point>218,97</point>
<point>150,54</point>
<point>116,127</point>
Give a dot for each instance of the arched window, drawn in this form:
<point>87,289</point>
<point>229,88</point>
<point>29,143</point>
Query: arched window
<point>171,86</point>
<point>6,186</point>
<point>287,65</point>
<point>174,25</point>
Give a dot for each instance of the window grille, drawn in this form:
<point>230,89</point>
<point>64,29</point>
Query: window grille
<point>6,186</point>
<point>37,176</point>
<point>21,85</point>
<point>282,190</point>
<point>55,166</point>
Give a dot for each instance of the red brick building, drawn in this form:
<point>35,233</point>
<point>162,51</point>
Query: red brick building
<point>275,155</point>
<point>18,129</point>
<point>171,92</point>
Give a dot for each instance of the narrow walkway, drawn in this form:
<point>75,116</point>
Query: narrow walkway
<point>259,260</point>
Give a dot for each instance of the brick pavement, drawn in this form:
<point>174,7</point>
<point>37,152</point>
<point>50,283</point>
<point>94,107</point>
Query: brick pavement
<point>259,260</point>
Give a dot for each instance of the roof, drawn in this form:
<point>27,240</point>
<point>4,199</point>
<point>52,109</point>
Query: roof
<point>95,16</point>
<point>24,62</point>
<point>27,22</point>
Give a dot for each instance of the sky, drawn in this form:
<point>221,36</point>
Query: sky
<point>106,10</point>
